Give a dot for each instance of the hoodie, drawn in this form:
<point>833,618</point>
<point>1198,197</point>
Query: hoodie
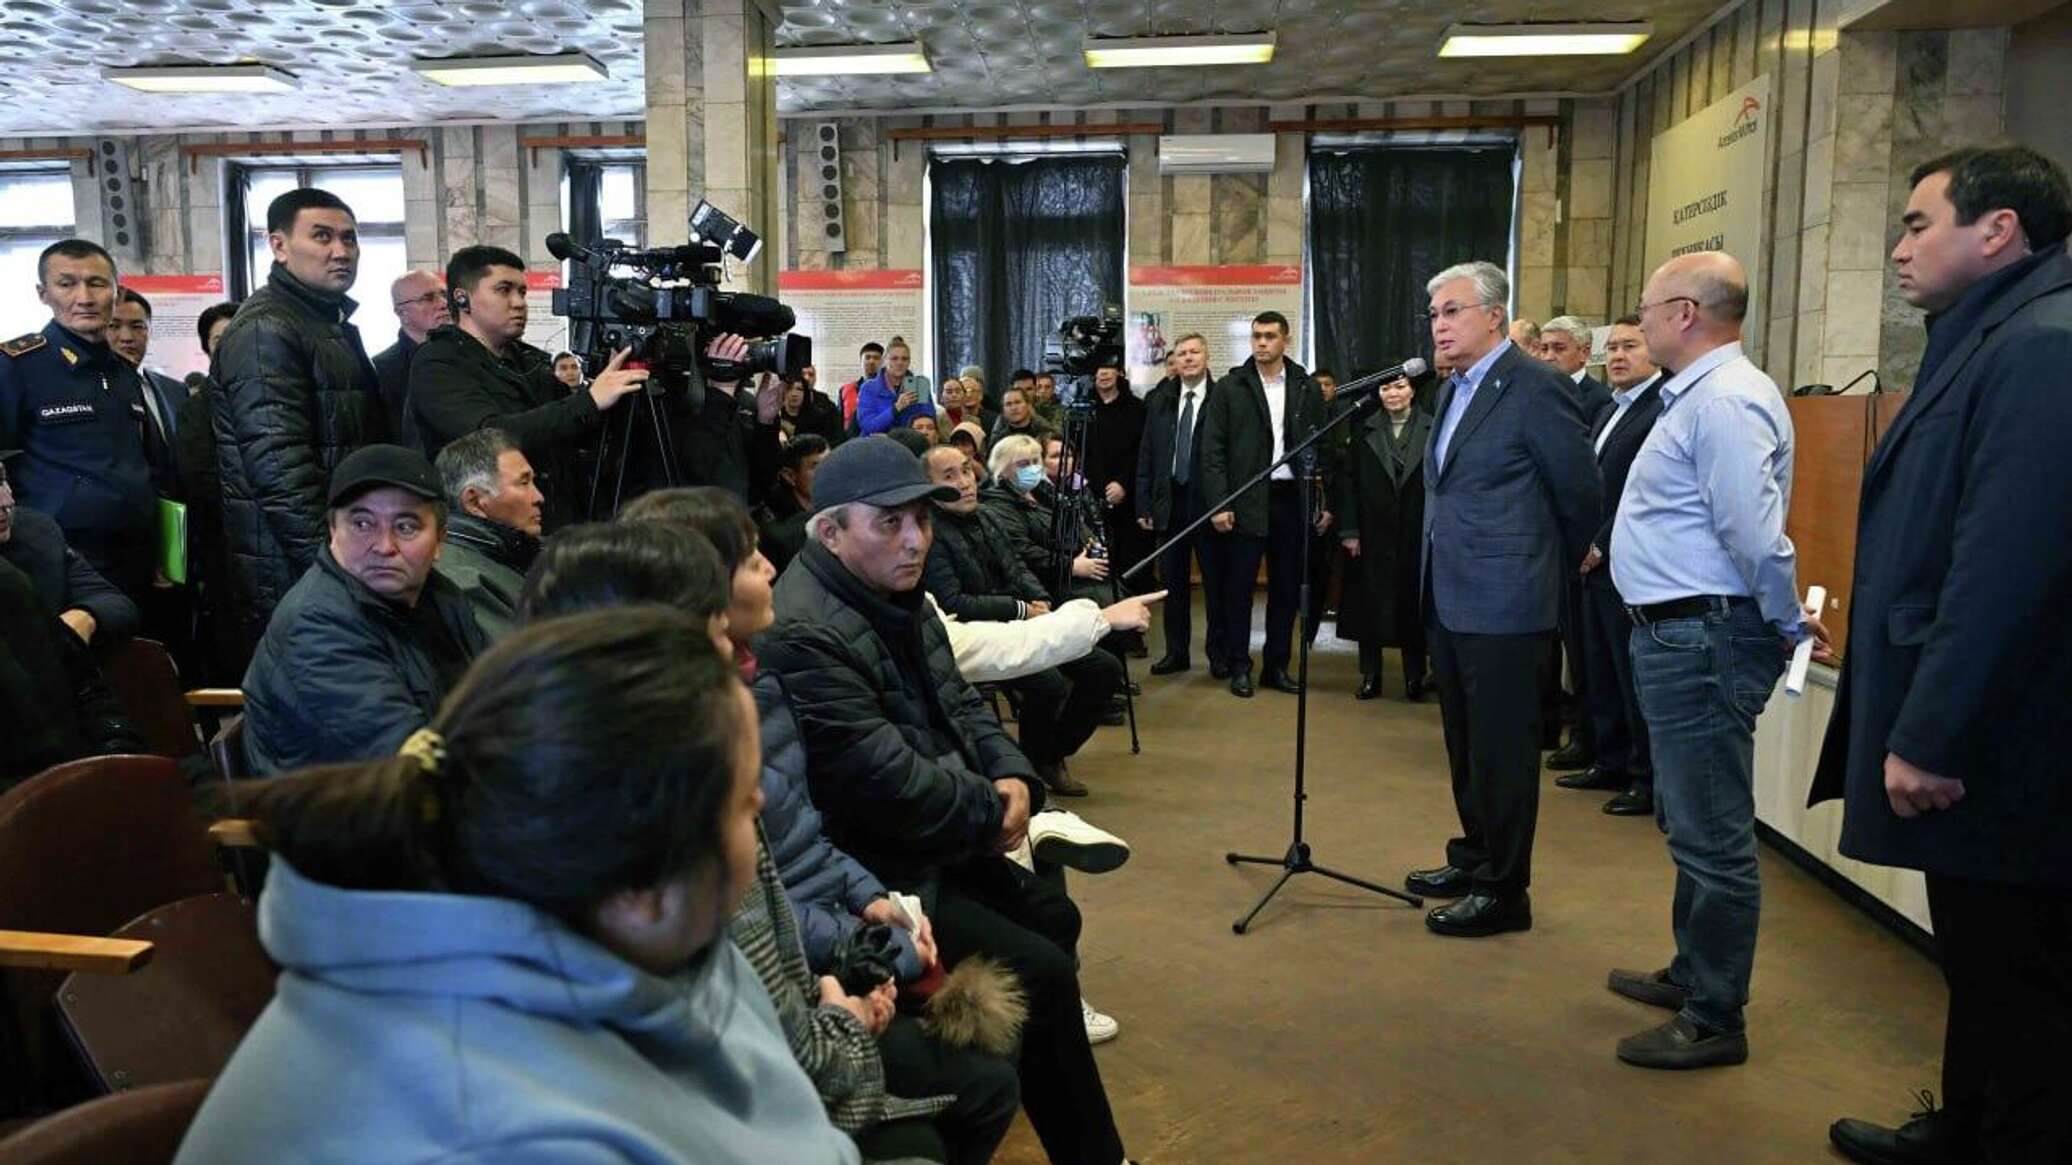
<point>426,1027</point>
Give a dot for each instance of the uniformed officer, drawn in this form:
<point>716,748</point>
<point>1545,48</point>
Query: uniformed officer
<point>76,411</point>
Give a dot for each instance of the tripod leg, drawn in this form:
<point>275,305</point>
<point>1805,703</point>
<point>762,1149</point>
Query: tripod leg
<point>1239,926</point>
<point>1363,884</point>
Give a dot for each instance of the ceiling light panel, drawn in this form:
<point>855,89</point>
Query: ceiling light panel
<point>1154,52</point>
<point>203,79</point>
<point>846,60</point>
<point>1543,40</point>
<point>553,69</point>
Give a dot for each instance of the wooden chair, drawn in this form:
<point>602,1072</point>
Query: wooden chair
<point>85,848</point>
<point>146,683</point>
<point>140,1127</point>
<point>181,1014</point>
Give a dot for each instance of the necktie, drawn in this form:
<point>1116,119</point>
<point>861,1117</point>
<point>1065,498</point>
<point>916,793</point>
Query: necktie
<point>1183,439</point>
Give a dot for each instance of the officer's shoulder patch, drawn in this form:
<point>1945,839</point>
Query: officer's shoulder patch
<point>23,345</point>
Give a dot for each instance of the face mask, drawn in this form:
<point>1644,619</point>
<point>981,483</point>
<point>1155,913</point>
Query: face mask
<point>1028,477</point>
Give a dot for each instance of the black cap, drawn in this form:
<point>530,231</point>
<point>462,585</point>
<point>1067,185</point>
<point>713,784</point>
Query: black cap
<point>376,465</point>
<point>876,471</point>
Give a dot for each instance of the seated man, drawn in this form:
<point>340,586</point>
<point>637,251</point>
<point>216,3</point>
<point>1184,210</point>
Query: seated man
<point>52,698</point>
<point>493,531</point>
<point>69,587</point>
<point>915,776</point>
<point>974,574</point>
<point>367,643</point>
<point>781,519</point>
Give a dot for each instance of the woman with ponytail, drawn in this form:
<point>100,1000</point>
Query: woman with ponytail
<point>508,944</point>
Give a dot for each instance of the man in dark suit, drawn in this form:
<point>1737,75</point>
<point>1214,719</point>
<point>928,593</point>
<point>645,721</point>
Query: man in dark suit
<point>1949,734</point>
<point>1169,496</point>
<point>1511,499</point>
<point>1618,732</point>
<point>1265,407</point>
<point>419,299</point>
<point>1565,343</point>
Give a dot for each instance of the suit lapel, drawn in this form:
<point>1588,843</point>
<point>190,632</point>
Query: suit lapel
<point>1652,393</point>
<point>1494,383</point>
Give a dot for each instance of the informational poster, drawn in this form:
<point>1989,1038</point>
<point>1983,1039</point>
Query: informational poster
<point>1706,182</point>
<point>543,329</point>
<point>1166,303</point>
<point>840,311</point>
<point>177,302</point>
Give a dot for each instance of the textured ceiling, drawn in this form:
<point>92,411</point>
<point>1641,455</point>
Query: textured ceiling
<point>352,56</point>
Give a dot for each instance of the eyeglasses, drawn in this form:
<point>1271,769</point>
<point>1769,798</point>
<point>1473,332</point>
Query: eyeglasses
<point>1642,309</point>
<point>426,300</point>
<point>1447,313</point>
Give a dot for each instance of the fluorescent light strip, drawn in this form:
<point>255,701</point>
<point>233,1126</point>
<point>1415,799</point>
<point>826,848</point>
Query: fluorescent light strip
<point>202,78</point>
<point>1544,40</point>
<point>835,60</point>
<point>1152,52</point>
<point>556,69</point>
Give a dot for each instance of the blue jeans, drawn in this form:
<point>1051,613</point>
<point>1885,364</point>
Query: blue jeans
<point>1701,682</point>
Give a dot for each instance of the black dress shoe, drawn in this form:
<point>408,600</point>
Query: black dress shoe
<point>1440,882</point>
<point>1370,687</point>
<point>1414,690</point>
<point>1570,757</point>
<point>1219,670</point>
<point>1481,915</point>
<point>1932,1137</point>
<point>1635,801</point>
<point>1241,684</point>
<point>1168,665</point>
<point>1593,778</point>
<point>1279,681</point>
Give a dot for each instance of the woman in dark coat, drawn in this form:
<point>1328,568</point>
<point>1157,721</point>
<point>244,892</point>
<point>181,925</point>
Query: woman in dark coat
<point>1380,508</point>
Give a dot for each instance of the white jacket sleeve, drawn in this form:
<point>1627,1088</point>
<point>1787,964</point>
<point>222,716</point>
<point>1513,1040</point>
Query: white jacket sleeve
<point>992,652</point>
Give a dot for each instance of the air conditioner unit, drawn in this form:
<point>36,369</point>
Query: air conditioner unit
<point>1215,153</point>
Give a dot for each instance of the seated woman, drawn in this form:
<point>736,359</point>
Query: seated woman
<point>507,944</point>
<point>865,1062</point>
<point>1020,500</point>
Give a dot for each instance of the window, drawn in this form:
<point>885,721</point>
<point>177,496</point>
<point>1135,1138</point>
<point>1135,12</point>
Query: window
<point>376,195</point>
<point>605,200</point>
<point>35,211</point>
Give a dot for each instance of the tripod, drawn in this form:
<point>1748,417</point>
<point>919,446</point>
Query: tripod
<point>1073,518</point>
<point>649,403</point>
<point>1365,394</point>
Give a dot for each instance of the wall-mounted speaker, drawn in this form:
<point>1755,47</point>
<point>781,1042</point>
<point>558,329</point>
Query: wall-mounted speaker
<point>824,181</point>
<point>119,181</point>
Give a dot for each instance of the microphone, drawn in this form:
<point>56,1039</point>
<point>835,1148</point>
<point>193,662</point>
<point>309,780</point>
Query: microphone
<point>1371,384</point>
<point>561,246</point>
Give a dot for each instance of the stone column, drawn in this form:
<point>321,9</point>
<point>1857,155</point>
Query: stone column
<point>712,122</point>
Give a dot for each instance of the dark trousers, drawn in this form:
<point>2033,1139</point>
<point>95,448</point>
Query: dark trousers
<point>1206,547</point>
<point>2007,956</point>
<point>1283,547</point>
<point>1412,649</point>
<point>1128,543</point>
<point>967,1132</point>
<point>990,906</point>
<point>1061,706</point>
<point>1562,707</point>
<point>1489,702</point>
<point>1619,731</point>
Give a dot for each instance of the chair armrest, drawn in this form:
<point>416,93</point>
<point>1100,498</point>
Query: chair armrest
<point>38,950</point>
<point>235,833</point>
<point>216,698</point>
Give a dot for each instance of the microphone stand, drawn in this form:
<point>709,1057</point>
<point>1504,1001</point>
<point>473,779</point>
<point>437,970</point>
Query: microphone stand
<point>1366,394</point>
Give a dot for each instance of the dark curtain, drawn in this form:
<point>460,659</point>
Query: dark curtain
<point>585,203</point>
<point>1381,222</point>
<point>1019,247</point>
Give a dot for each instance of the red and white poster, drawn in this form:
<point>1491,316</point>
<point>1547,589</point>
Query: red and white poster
<point>543,329</point>
<point>177,302</point>
<point>1166,303</point>
<point>840,311</point>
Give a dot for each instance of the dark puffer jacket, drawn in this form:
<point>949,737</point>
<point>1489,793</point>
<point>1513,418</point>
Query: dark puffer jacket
<point>974,572</point>
<point>901,753</point>
<point>295,394</point>
<point>827,888</point>
<point>52,698</point>
<point>458,386</point>
<point>344,675</point>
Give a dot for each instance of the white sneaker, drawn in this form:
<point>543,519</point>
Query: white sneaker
<point>1056,835</point>
<point>1099,1028</point>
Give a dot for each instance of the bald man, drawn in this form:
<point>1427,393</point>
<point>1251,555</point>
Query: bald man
<point>1700,557</point>
<point>419,298</point>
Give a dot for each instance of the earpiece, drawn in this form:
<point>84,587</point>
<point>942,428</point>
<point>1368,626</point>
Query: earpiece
<point>459,301</point>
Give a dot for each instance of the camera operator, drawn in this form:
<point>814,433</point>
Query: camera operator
<point>476,373</point>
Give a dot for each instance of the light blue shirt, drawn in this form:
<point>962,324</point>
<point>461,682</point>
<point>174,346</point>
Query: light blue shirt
<point>1703,511</point>
<point>1464,386</point>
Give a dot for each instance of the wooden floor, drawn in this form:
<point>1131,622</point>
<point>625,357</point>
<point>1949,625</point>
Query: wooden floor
<point>1340,1030</point>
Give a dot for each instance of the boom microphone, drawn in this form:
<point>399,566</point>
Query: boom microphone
<point>561,246</point>
<point>1371,384</point>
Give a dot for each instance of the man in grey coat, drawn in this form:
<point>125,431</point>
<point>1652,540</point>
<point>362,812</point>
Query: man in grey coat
<point>493,532</point>
<point>1511,499</point>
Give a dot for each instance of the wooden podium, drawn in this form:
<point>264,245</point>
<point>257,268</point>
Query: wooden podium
<point>1834,437</point>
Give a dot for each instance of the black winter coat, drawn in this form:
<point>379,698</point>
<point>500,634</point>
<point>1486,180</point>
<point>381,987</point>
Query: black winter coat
<point>1113,441</point>
<point>902,753</point>
<point>458,387</point>
<point>392,372</point>
<point>1238,440</point>
<point>974,572</point>
<point>345,675</point>
<point>64,580</point>
<point>295,395</point>
<point>1379,499</point>
<point>1959,656</point>
<point>52,698</point>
